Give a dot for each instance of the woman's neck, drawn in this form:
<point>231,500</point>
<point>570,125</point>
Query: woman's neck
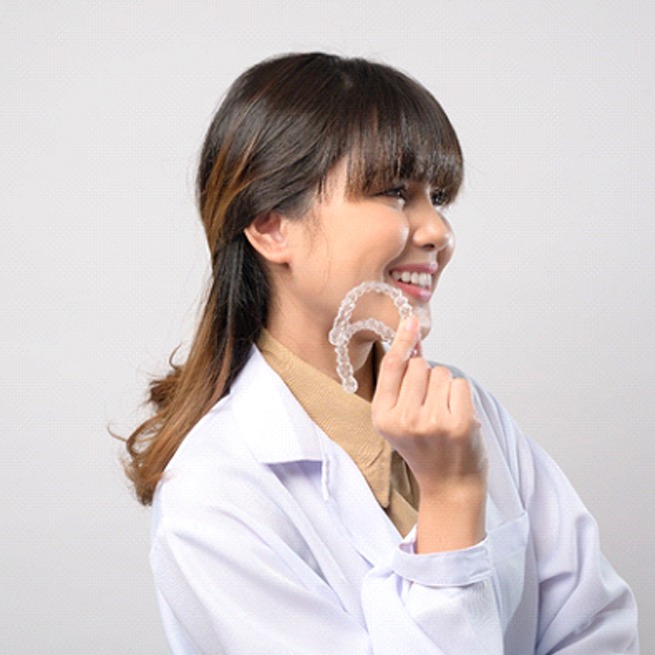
<point>313,347</point>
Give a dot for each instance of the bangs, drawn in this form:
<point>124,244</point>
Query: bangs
<point>394,130</point>
<point>287,122</point>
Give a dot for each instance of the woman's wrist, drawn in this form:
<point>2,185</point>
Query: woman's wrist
<point>450,521</point>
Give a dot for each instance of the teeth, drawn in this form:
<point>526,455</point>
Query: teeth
<point>419,279</point>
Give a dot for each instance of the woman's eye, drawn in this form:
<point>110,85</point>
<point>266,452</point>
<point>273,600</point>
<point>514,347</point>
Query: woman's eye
<point>399,192</point>
<point>439,198</point>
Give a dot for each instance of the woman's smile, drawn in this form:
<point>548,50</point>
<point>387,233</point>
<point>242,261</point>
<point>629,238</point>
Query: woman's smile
<point>415,280</point>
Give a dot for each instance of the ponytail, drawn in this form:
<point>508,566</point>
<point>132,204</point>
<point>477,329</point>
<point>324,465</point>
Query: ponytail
<point>231,323</point>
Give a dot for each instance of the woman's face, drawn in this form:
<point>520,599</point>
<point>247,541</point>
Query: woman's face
<point>397,236</point>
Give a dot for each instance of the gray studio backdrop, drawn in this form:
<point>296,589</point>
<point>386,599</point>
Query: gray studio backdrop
<point>548,302</point>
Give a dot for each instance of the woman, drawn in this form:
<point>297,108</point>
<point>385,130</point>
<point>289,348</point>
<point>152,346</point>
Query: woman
<point>290,517</point>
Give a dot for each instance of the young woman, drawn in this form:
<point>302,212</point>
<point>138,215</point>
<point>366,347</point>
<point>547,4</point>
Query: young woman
<point>291,517</point>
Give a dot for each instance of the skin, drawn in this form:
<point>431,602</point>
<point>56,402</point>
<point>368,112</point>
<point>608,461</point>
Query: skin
<point>425,414</point>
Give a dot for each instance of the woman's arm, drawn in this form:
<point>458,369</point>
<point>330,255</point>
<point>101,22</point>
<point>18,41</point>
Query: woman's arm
<point>429,418</point>
<point>238,572</point>
<point>233,586</point>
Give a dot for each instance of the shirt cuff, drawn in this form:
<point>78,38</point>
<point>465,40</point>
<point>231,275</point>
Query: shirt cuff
<point>456,568</point>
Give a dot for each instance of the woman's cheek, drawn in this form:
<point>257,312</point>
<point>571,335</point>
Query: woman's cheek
<point>398,238</point>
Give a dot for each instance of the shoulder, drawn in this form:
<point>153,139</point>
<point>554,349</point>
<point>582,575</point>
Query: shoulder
<point>228,464</point>
<point>203,467</point>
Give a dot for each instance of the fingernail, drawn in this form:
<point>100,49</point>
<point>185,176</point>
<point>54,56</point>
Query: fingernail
<point>410,324</point>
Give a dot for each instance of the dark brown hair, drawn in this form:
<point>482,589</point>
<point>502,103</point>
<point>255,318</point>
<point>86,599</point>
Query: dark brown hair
<point>281,128</point>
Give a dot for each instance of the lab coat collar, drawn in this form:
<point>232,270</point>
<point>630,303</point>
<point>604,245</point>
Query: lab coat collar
<point>272,421</point>
<point>277,430</point>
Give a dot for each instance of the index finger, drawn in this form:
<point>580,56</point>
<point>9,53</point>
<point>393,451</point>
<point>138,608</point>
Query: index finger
<point>394,363</point>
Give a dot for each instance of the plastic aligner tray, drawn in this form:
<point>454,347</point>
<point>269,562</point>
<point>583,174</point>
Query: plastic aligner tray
<point>343,329</point>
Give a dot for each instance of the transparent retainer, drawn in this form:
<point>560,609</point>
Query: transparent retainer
<point>343,330</point>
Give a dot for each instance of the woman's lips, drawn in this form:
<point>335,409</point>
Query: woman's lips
<point>415,280</point>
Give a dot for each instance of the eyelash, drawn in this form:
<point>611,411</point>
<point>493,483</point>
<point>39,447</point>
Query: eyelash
<point>438,198</point>
<point>399,192</point>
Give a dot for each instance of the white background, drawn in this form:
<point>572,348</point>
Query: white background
<point>548,302</point>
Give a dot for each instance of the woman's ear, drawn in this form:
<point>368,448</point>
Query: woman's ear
<point>268,235</point>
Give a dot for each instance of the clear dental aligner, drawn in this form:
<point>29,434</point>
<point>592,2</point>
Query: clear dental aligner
<point>343,330</point>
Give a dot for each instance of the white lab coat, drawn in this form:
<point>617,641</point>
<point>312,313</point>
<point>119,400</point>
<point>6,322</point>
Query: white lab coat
<point>267,539</point>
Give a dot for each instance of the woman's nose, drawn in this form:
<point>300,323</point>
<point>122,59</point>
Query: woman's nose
<point>431,230</point>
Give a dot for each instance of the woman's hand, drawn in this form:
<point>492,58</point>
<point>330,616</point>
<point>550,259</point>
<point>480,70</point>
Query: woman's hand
<point>429,418</point>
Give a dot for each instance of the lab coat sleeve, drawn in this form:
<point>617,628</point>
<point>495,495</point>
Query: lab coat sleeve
<point>584,606</point>
<point>235,586</point>
<point>449,596</point>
